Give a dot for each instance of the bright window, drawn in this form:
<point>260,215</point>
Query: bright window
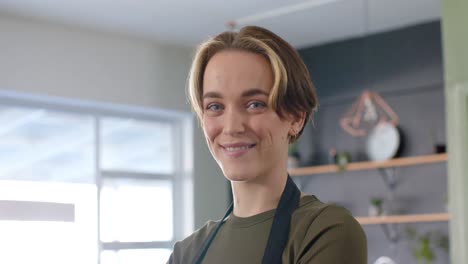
<point>43,145</point>
<point>140,256</point>
<point>136,211</point>
<point>52,241</point>
<point>75,180</point>
<point>138,146</point>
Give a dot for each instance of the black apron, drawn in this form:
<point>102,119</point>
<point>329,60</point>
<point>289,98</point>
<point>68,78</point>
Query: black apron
<point>279,231</point>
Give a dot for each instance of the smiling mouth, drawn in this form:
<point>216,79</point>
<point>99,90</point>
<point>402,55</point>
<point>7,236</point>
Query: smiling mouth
<point>235,151</point>
<point>237,148</point>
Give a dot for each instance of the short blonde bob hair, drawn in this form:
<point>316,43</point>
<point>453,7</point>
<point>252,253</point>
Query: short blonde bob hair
<point>293,92</point>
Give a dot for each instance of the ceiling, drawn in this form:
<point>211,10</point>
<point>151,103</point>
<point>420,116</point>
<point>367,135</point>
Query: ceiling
<point>187,22</point>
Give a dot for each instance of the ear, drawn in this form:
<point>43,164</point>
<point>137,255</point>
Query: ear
<point>297,123</point>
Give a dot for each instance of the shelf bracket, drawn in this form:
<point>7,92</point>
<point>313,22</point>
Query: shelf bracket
<point>389,176</point>
<point>391,232</point>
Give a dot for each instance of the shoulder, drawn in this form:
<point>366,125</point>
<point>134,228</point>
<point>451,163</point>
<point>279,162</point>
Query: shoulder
<point>334,216</point>
<point>328,229</point>
<point>185,250</point>
<point>314,212</point>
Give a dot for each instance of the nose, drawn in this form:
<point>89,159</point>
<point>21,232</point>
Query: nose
<point>234,122</point>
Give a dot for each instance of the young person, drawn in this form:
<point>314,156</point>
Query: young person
<point>253,96</point>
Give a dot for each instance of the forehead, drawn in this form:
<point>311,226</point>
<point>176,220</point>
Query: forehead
<point>237,69</point>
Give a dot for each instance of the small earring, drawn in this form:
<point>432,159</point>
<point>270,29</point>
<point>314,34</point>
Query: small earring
<point>293,135</point>
<point>296,134</point>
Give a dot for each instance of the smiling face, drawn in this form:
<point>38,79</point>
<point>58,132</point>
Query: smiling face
<point>245,135</point>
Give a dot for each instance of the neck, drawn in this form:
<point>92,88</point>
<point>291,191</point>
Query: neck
<point>258,196</point>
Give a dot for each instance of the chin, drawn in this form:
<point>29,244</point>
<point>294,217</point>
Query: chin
<point>238,174</point>
<point>237,178</point>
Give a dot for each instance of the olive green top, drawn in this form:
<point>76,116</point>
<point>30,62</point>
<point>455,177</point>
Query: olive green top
<point>319,234</point>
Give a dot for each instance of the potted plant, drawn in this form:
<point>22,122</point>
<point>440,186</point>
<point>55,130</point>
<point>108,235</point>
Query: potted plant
<point>375,206</point>
<point>342,159</point>
<point>423,245</point>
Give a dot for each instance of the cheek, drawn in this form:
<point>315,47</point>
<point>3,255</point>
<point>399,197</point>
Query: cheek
<point>210,128</point>
<point>269,131</point>
<point>276,135</point>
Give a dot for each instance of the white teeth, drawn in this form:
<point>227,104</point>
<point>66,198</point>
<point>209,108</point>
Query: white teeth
<point>237,148</point>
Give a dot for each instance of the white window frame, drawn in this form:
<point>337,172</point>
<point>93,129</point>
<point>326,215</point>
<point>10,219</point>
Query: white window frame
<point>182,179</point>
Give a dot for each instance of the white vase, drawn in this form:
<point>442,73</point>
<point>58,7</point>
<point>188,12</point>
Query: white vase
<point>374,210</point>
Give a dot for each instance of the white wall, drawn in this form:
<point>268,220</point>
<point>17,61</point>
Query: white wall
<point>50,59</point>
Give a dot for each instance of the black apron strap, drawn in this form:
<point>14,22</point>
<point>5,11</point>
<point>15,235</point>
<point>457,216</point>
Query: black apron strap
<point>279,231</point>
<point>206,244</point>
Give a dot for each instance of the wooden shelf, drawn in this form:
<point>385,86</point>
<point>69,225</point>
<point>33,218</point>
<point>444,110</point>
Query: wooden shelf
<point>399,219</point>
<point>367,165</point>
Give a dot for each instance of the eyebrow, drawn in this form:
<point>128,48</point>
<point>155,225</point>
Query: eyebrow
<point>253,92</point>
<point>247,93</point>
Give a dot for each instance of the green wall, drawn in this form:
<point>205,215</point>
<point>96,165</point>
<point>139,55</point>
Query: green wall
<point>455,50</point>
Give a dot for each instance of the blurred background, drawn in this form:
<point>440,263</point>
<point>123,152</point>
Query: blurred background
<point>102,161</point>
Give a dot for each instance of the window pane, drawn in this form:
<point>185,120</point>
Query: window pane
<point>133,145</point>
<point>136,211</point>
<point>43,145</point>
<point>132,256</point>
<point>50,241</point>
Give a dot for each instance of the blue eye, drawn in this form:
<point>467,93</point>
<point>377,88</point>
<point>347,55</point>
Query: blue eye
<point>255,105</point>
<point>214,107</point>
